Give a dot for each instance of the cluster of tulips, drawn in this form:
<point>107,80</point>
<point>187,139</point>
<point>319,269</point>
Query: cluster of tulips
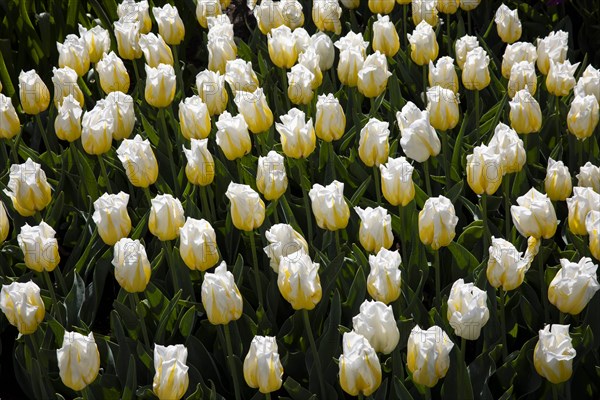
<point>305,58</point>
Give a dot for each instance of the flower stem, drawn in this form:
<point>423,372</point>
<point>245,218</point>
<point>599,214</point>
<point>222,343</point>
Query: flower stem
<point>506,187</point>
<point>303,172</point>
<point>438,284</point>
<point>206,210</point>
<point>177,66</point>
<point>38,120</point>
<point>424,82</point>
<point>427,181</point>
<point>377,183</point>
<point>543,284</point>
<point>148,196</point>
<point>135,300</point>
<point>86,393</point>
<point>402,218</point>
<point>448,37</point>
<point>476,95</point>
<point>104,173</point>
<point>169,255</point>
<point>50,286</point>
<point>404,23</point>
<point>486,236</point>
<point>315,352</point>
<point>15,148</point>
<point>227,334</point>
<point>163,124</point>
<point>35,347</point>
<point>267,396</point>
<point>61,280</point>
<point>503,324</point>
<point>259,293</point>
<point>446,150</point>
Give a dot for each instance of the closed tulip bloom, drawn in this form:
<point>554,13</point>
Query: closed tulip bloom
<point>133,11</point>
<point>33,92</point>
<point>525,113</point>
<point>463,46</point>
<point>324,47</point>
<point>111,217</point>
<point>155,50</point>
<point>583,116</point>
<point>171,378</point>
<point>268,15</point>
<point>194,118</point>
<point>73,53</point>
<point>298,138</point>
<point>376,322</point>
<point>437,222</point>
<point>212,91</point>
<point>508,24</point>
<point>232,136</point>
<point>132,268</point>
<point>443,74</point>
<point>160,85</point>
<point>385,36</point>
<point>298,281</point>
<point>254,108</point>
<point>283,241</point>
<point>468,5</point>
<point>291,13</point>
<point>78,360</point>
<point>10,125</point>
<point>247,208</point>
<point>448,6</point>
<point>384,280</point>
<point>310,59</point>
<point>220,26</point>
<point>375,229</point>
<point>553,47</point>
<point>170,25</point>
<point>583,200</point>
<point>330,120</point>
<point>65,83</point>
<point>300,84</point>
<point>373,146</point>
<point>442,105</point>
<point>373,75</point>
<point>271,179</point>
<point>589,176</point>
<point>396,181</point>
<point>123,114</point>
<point>534,215</point>
<point>574,285</point>
<point>139,161</point>
<point>206,9</point>
<point>127,34</point>
<point>467,310</point>
<point>484,170</point>
<point>166,217</point>
<point>262,367</point>
<point>350,62</point>
<point>509,145</point>
<point>22,305</point>
<point>506,266</point>
<point>282,47</point>
<point>592,225</point>
<point>522,76</point>
<point>4,224</point>
<point>428,355</point>
<point>516,53</point>
<point>425,10</point>
<point>360,370</point>
<point>350,4</point>
<point>220,296</point>
<point>97,40</point>
<point>476,74</point>
<point>302,40</point>
<point>423,44</point>
<point>558,181</point>
<point>326,16</point>
<point>198,244</point>
<point>589,83</point>
<point>560,80</point>
<point>221,50</point>
<point>381,6</point>
<point>113,74</point>
<point>240,76</point>
<point>28,188</point>
<point>200,167</point>
<point>554,353</point>
<point>329,207</point>
<point>67,124</point>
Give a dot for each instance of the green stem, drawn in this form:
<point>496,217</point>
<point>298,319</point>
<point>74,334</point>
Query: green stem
<point>77,161</point>
<point>427,393</point>
<point>206,211</point>
<point>377,183</point>
<point>284,85</point>
<point>135,300</point>
<point>360,396</point>
<point>259,293</point>
<point>425,80</point>
<point>177,66</point>
<point>61,280</point>
<point>86,393</point>
<point>402,218</point>
<point>165,132</point>
<point>338,247</point>
<point>446,151</point>
<point>148,196</point>
<point>104,174</point>
<point>4,152</point>
<point>427,180</point>
<point>267,396</point>
<point>506,187</point>
<point>169,255</point>
<point>38,120</point>
<point>554,391</point>
<point>469,22</point>
<point>303,172</point>
<point>315,352</point>
<point>476,95</point>
<point>486,235</point>
<point>35,347</point>
<point>562,318</point>
<point>463,350</point>
<point>15,149</point>
<point>438,283</point>
<point>404,23</point>
<point>503,323</point>
<point>275,214</point>
<point>50,286</point>
<point>230,361</point>
<point>543,284</point>
<point>448,37</point>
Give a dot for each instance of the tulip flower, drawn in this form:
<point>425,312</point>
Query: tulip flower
<point>171,372</point>
<point>588,83</point>
<point>166,217</point>
<point>553,354</point>
<point>10,125</point>
<point>220,26</point>
<point>476,74</point>
<point>525,113</point>
<point>469,5</point>
<point>139,161</point>
<point>170,25</point>
<point>381,6</point>
<point>419,140</point>
<point>155,50</point>
<point>373,147</point>
<point>384,280</point>
<point>271,179</point>
<point>221,50</point>
<point>442,105</point>
<point>574,285</point>
<point>111,217</point>
<point>534,215</point>
<point>484,170</point>
<point>325,49</point>
<point>443,74</point>
<point>467,309</point>
<point>462,47</point>
<point>329,207</point>
<point>300,84</point>
<point>282,47</point>
<point>506,266</point>
<point>4,224</point>
<point>425,10</point>
<point>123,114</point>
<point>206,9</point>
<point>326,15</point>
<point>73,53</point>
<point>220,296</point>
<point>508,24</point>
<point>127,33</point>
<point>132,267</point>
<point>310,60</point>
<point>240,76</point>
<point>448,6</point>
<point>33,93</point>
<point>558,181</point>
<point>360,370</point>
<point>437,222</point>
<point>232,136</point>
<point>283,241</point>
<point>133,11</point>
<point>589,176</point>
<point>67,124</point>
<point>212,91</point>
<point>198,244</point>
<point>65,83</point>
<point>373,75</point>
<point>330,120</point>
<point>113,74</point>
<point>97,40</point>
<point>592,225</point>
<point>560,80</point>
<point>200,167</point>
<point>298,138</point>
<point>376,322</point>
<point>583,200</point>
<point>160,85</point>
<point>385,37</point>
<point>352,56</point>
<point>194,118</point>
<point>268,15</point>
<point>423,44</point>
<point>22,305</point>
<point>522,76</point>
<point>428,355</point>
<point>510,147</point>
<point>375,229</point>
<point>247,208</point>
<point>262,367</point>
<point>78,360</point>
<point>553,47</point>
<point>255,110</point>
<point>97,128</point>
<point>396,181</point>
<point>298,281</point>
<point>516,53</point>
<point>28,188</point>
<point>583,116</point>
<point>291,13</point>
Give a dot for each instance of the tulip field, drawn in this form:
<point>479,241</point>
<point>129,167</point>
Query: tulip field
<point>299,199</point>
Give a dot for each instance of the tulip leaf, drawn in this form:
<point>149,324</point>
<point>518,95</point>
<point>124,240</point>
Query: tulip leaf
<point>463,257</point>
<point>186,324</point>
<point>131,383</point>
<point>296,391</point>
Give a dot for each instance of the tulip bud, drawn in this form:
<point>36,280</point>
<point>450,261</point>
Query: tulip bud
<point>516,53</point>
<point>428,355</point>
<point>376,322</point>
<point>419,140</point>
<point>506,267</point>
<point>111,217</point>
<point>113,74</point>
<point>442,105</point>
<point>300,84</point>
<point>476,74</point>
<point>574,285</point>
<point>206,9</point>
<point>447,6</point>
<point>131,11</point>
<point>373,75</point>
<point>463,46</point>
<point>170,25</point>
<point>28,188</point>
<point>97,41</point>
<point>330,118</point>
<point>424,10</point>
<point>232,136</point>
<point>373,146</point>
<point>283,241</point>
<point>123,114</point>
<point>221,50</point>
<point>553,354</point>
<point>583,116</point>
<point>240,76</point>
<point>396,181</point>
<point>301,39</point>
<point>360,370</point>
<point>67,124</point>
<point>155,50</point>
<point>254,108</point>
<point>468,5</point>
<point>309,58</point>
<point>298,138</point>
<point>10,125</point>
<point>127,34</point>
<point>423,44</point>
<point>522,76</point>
<point>282,47</point>
<point>592,225</point>
<point>212,91</point>
<point>329,207</point>
<point>583,200</point>
<point>220,296</point>
<point>160,85</point>
<point>298,281</point>
<point>553,47</point>
<point>558,181</point>
<point>437,222</point>
<point>588,83</point>
<point>220,27</point>
<point>33,93</point>
<point>200,168</point>
<point>166,217</point>
<point>352,56</point>
<point>326,16</point>
<point>507,143</point>
<point>484,170</point>
<point>325,49</point>
<point>375,229</point>
<point>171,372</point>
<point>385,36</point>
<point>560,80</point>
<point>194,119</point>
<point>534,215</point>
<point>65,83</point>
<point>291,13</point>
<point>589,176</point>
<point>262,367</point>
<point>268,15</point>
<point>381,6</point>
<point>23,306</point>
<point>525,113</point>
<point>78,360</point>
<point>384,280</point>
<point>508,24</point>
<point>139,161</point>
<point>467,310</point>
<point>97,128</point>
<point>132,268</point>
<point>271,179</point>
<point>198,244</point>
<point>73,53</point>
<point>4,224</point>
<point>443,74</point>
<point>247,208</point>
